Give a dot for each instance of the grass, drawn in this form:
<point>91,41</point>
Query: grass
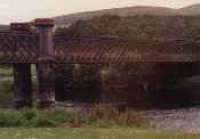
<point>89,133</point>
<point>36,118</point>
<point>61,117</point>
<point>60,124</point>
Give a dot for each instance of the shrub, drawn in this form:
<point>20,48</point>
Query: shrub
<point>10,118</point>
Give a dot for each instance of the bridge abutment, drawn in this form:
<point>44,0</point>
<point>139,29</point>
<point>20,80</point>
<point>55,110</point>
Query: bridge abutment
<point>45,70</point>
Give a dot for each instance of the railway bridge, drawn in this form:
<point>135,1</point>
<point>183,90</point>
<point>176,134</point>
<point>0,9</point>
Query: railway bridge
<point>34,43</point>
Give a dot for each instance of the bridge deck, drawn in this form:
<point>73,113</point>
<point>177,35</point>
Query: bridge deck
<point>23,48</point>
<point>119,51</point>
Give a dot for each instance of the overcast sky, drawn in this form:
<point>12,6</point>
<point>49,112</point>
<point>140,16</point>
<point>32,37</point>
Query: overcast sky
<point>25,10</point>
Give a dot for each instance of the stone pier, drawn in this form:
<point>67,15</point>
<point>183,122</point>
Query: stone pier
<point>45,70</point>
<point>22,75</point>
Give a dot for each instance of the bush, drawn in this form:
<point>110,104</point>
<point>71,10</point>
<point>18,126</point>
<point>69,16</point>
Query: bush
<point>10,118</point>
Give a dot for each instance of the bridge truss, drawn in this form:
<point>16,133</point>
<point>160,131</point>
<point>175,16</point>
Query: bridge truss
<point>22,47</point>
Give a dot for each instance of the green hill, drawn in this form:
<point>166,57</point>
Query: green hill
<point>128,11</point>
<point>146,27</point>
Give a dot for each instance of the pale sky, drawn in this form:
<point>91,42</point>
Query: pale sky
<point>25,10</point>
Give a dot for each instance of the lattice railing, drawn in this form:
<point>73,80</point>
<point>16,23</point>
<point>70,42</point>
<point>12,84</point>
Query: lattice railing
<point>23,47</point>
<point>125,51</point>
<point>18,47</point>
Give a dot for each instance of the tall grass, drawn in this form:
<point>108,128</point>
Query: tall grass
<point>106,115</point>
<point>61,117</point>
<point>33,117</point>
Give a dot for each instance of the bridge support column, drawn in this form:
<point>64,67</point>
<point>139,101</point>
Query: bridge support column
<point>45,70</point>
<point>46,94</point>
<point>22,75</point>
<point>22,85</point>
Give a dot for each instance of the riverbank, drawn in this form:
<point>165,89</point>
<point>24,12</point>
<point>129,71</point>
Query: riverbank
<point>182,119</point>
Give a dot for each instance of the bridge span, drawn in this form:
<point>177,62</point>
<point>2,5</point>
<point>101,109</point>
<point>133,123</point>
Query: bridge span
<point>22,47</point>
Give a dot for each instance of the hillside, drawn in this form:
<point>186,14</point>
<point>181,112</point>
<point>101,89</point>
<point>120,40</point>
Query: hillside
<point>190,10</point>
<point>147,27</point>
<point>4,27</point>
<point>129,11</point>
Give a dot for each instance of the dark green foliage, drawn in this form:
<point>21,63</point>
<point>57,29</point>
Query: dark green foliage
<point>136,27</point>
<point>10,118</point>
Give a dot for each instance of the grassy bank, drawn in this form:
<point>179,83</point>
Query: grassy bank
<point>59,117</point>
<point>89,133</point>
<point>97,123</point>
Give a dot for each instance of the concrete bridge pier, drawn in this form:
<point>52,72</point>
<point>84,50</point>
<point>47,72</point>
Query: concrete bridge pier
<point>45,69</point>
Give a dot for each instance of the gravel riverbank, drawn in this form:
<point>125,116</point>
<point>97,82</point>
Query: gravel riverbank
<point>183,119</point>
